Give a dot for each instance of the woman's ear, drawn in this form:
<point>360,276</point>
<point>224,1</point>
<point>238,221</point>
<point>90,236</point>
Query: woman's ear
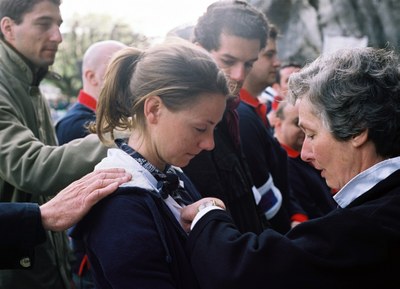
<point>152,109</point>
<point>360,139</point>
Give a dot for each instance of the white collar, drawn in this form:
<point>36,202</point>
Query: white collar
<point>142,178</point>
<point>365,180</point>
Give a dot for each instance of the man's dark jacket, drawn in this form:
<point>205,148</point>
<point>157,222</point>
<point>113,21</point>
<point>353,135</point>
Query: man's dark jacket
<point>21,227</point>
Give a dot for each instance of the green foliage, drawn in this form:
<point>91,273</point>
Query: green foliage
<point>80,33</point>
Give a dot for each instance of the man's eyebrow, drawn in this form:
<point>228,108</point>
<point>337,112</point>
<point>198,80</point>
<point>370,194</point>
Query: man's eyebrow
<point>252,60</point>
<point>270,50</point>
<point>231,57</point>
<point>227,55</point>
<point>48,18</point>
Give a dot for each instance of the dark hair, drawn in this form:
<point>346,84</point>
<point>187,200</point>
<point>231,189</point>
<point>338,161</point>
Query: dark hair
<point>280,110</point>
<point>236,18</point>
<point>284,65</point>
<point>178,72</point>
<point>16,9</point>
<point>273,32</point>
<point>353,90</point>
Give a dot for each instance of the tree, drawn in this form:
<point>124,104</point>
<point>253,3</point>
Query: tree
<point>80,33</point>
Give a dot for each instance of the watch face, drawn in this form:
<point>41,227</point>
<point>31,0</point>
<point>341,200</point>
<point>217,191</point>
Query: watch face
<point>207,203</point>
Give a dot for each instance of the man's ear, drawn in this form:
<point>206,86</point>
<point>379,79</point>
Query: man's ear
<point>277,121</point>
<point>6,25</point>
<point>91,77</point>
<point>360,139</point>
<point>152,108</point>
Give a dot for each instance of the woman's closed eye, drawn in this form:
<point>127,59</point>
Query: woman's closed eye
<point>310,136</point>
<point>201,129</point>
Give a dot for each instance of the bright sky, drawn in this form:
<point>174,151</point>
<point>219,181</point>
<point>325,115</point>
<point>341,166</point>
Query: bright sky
<point>153,18</point>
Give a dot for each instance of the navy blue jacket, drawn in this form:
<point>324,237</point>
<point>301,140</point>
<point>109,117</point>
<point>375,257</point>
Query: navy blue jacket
<point>74,124</point>
<point>134,241</point>
<point>71,126</point>
<point>310,189</point>
<point>266,156</point>
<point>353,247</point>
<point>21,227</point>
<point>223,173</point>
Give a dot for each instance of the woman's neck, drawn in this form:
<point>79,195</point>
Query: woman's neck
<point>147,150</point>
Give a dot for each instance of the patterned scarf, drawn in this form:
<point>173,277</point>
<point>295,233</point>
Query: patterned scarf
<point>168,182</point>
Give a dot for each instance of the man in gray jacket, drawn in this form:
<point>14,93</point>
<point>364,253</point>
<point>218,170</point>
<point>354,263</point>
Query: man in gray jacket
<point>32,167</point>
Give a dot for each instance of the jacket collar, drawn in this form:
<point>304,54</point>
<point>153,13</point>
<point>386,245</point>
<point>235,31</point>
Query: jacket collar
<point>246,97</point>
<point>87,100</point>
<point>35,74</point>
<point>367,180</point>
<point>290,152</point>
<point>260,108</point>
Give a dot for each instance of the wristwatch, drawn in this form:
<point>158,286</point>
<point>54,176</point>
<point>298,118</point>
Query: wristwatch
<point>206,204</point>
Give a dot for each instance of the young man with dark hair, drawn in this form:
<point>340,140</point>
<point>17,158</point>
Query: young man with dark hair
<point>233,32</point>
<point>268,162</point>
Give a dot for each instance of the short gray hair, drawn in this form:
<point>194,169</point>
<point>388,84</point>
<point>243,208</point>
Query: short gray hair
<point>354,90</point>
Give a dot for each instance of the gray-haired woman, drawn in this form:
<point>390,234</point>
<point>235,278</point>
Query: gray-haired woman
<point>349,109</point>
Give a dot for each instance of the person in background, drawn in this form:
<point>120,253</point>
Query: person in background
<point>265,71</point>
<point>233,32</point>
<point>280,86</point>
<point>32,166</point>
<point>282,77</point>
<point>170,97</point>
<point>349,110</point>
<point>308,187</point>
<point>94,63</point>
<point>75,125</point>
<point>267,161</point>
<point>24,224</point>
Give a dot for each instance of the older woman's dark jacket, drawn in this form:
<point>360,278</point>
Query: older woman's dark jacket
<point>353,247</point>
